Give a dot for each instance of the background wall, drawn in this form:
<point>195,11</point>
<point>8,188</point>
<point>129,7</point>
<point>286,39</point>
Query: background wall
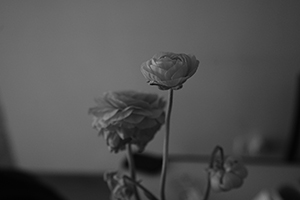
<point>56,56</point>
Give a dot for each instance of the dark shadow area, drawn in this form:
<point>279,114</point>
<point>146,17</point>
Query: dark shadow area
<point>18,184</point>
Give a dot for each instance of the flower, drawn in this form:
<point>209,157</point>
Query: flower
<point>121,189</point>
<point>169,70</point>
<point>128,117</point>
<point>229,176</point>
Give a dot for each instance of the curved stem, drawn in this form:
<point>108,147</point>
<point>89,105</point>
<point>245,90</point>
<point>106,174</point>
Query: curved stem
<point>206,194</point>
<point>146,191</point>
<point>132,169</point>
<point>213,156</point>
<point>166,147</point>
<point>211,165</point>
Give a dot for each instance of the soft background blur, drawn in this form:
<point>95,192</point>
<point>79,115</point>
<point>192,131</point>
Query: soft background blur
<point>57,56</point>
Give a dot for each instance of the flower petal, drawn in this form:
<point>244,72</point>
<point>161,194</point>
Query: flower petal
<point>109,114</point>
<point>113,100</point>
<point>172,83</point>
<point>176,66</point>
<point>181,72</point>
<point>134,118</point>
<point>193,69</point>
<point>120,115</point>
<point>158,71</point>
<point>147,123</point>
<point>149,113</point>
<point>231,181</point>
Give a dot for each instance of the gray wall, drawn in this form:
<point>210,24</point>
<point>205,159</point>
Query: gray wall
<point>56,56</point>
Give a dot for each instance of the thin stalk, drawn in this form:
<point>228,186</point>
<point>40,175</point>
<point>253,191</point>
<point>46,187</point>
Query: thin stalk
<point>166,147</point>
<point>132,169</point>
<point>146,191</point>
<point>211,165</point>
<point>206,194</point>
<point>213,156</point>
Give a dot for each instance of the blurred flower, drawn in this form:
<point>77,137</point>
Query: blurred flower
<point>169,70</point>
<point>120,188</point>
<point>229,176</point>
<point>267,194</point>
<point>128,117</point>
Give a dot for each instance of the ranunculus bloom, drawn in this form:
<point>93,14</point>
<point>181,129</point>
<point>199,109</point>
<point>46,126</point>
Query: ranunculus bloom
<point>228,177</point>
<point>128,117</point>
<point>169,70</point>
<point>120,187</point>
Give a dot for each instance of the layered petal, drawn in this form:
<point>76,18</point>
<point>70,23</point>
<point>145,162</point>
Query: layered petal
<point>123,117</point>
<point>169,70</point>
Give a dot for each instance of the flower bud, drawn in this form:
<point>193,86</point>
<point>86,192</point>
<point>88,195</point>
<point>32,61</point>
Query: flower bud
<point>231,175</point>
<point>119,186</point>
<point>169,70</point>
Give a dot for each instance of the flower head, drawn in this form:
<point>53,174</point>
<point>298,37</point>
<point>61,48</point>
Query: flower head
<point>128,117</point>
<point>229,176</point>
<point>120,188</point>
<point>169,70</point>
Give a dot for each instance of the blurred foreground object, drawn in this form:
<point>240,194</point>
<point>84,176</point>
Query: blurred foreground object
<point>17,184</point>
<point>267,195</point>
<point>284,192</point>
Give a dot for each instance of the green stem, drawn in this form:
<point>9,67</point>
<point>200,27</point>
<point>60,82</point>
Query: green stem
<point>132,169</point>
<point>211,165</point>
<point>166,147</point>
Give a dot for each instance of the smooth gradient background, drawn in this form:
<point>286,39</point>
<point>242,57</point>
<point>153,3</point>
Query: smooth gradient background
<point>57,56</point>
